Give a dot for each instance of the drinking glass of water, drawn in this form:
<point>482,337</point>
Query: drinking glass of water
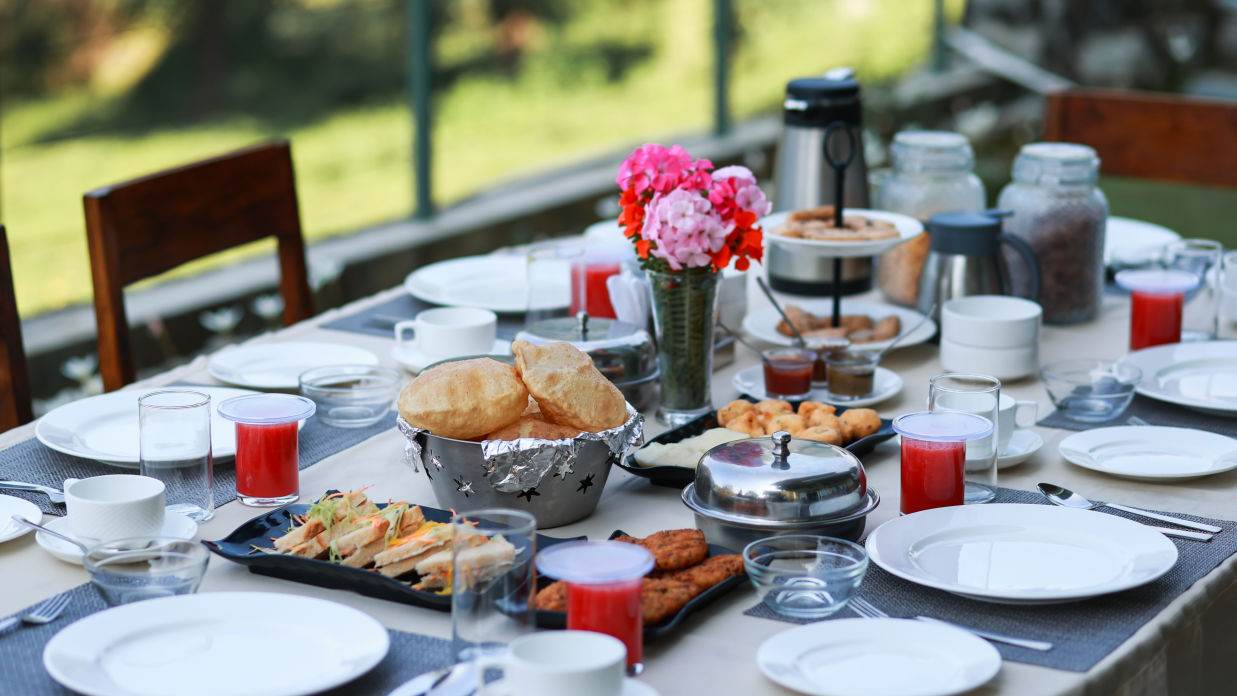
<point>174,433</point>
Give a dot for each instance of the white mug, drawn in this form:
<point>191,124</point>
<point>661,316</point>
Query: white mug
<point>450,331</point>
<point>114,506</point>
<point>564,663</point>
<point>1009,420</point>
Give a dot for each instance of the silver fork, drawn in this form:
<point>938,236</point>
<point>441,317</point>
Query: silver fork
<point>57,496</point>
<point>44,613</point>
<point>867,610</point>
<point>1135,420</point>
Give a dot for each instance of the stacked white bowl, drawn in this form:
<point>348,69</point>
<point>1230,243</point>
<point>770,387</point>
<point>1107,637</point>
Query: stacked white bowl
<point>991,334</point>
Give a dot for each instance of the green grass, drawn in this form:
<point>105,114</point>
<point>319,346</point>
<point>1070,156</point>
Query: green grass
<point>354,166</point>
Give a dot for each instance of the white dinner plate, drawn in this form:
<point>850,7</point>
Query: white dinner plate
<point>414,360</point>
<point>878,657</point>
<point>1023,445</point>
<point>104,427</point>
<point>216,644</point>
<point>279,365</point>
<point>495,282</point>
<point>762,323</point>
<point>1151,452</point>
<point>885,384</point>
<point>1200,375</point>
<point>10,506</point>
<point>1130,242</point>
<point>175,525</point>
<point>1021,554</point>
<point>908,228</point>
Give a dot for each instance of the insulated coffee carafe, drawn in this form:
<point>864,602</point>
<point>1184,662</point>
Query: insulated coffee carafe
<point>966,259</point>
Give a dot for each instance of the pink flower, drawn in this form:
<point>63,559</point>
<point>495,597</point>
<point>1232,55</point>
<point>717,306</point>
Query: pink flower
<point>735,187</point>
<point>655,167</point>
<point>684,229</point>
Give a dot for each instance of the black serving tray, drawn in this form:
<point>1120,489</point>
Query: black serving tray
<point>678,477</point>
<point>238,547</point>
<point>558,619</point>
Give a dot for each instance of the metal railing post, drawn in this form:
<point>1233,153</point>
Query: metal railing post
<point>938,36</point>
<point>721,66</point>
<point>419,86</point>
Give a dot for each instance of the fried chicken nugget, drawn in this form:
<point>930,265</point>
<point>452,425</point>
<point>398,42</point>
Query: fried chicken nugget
<point>672,549</point>
<point>789,422</point>
<point>733,410</point>
<point>821,433</point>
<point>807,408</point>
<point>773,407</point>
<point>552,597</point>
<point>747,423</point>
<point>860,423</point>
<point>568,387</point>
<point>821,419</point>
<point>661,598</point>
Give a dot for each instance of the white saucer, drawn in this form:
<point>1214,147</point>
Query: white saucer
<point>1023,444</point>
<point>175,525</point>
<point>631,687</point>
<point>10,506</point>
<point>414,359</point>
<point>886,383</point>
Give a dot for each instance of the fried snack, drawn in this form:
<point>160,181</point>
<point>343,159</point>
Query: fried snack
<point>803,321</point>
<point>823,434</point>
<point>568,387</point>
<point>661,598</point>
<point>732,410</point>
<point>773,407</point>
<point>887,328</point>
<point>821,419</point>
<point>552,597</point>
<point>464,399</point>
<point>789,422</point>
<point>708,572</point>
<point>673,548</point>
<point>807,408</point>
<point>747,423</point>
<point>860,423</point>
<point>527,426</point>
<point>533,408</point>
<point>823,212</point>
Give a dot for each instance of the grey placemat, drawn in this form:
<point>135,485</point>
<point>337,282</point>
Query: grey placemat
<point>21,655</point>
<point>33,462</point>
<point>1156,413</point>
<point>379,320</point>
<point>1084,632</point>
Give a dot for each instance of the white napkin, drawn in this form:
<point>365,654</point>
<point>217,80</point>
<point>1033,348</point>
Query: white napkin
<point>629,295</point>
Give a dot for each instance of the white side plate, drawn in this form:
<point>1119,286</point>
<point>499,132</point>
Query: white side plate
<point>10,506</point>
<point>279,365</point>
<point>175,525</point>
<point>762,323</point>
<point>1151,452</point>
<point>1023,445</point>
<point>496,282</point>
<point>1134,242</point>
<point>878,657</point>
<point>908,228</point>
<point>885,384</point>
<point>1021,554</point>
<point>216,644</point>
<point>1201,375</point>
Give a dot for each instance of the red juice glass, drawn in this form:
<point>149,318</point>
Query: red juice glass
<point>589,277</point>
<point>1157,301</point>
<point>267,462</point>
<point>934,456</point>
<point>604,579</point>
<point>788,372</point>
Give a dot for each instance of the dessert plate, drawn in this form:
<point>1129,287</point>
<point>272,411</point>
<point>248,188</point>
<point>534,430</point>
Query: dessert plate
<point>885,384</point>
<point>878,657</point>
<point>104,427</point>
<point>279,365</point>
<point>908,228</point>
<point>1129,243</point>
<point>1021,554</point>
<point>1151,452</point>
<point>175,525</point>
<point>1023,445</point>
<point>10,506</point>
<point>497,282</point>
<point>209,645</point>
<point>1201,375</point>
<point>762,323</point>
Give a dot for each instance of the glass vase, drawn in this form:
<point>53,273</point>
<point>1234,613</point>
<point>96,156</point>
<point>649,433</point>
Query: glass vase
<point>684,306</point>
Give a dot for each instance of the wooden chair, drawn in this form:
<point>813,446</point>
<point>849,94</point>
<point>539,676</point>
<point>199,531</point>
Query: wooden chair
<point>144,227</point>
<point>14,379</point>
<point>1149,136</point>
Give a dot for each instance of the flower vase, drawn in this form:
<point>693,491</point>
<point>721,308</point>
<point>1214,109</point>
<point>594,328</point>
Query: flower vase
<point>684,306</point>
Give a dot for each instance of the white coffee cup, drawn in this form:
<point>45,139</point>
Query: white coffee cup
<point>114,506</point>
<point>564,663</point>
<point>991,321</point>
<point>1009,420</point>
<point>450,331</point>
<point>1002,363</point>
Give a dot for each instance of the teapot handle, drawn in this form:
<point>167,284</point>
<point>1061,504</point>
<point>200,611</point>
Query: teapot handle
<point>1028,255</point>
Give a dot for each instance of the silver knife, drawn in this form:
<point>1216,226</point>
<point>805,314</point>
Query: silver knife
<point>457,680</point>
<point>1196,536</point>
<point>1039,645</point>
<point>1166,518</point>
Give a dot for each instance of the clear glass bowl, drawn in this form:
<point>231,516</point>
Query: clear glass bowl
<point>130,570</point>
<point>804,575</point>
<point>351,396</point>
<point>1090,390</point>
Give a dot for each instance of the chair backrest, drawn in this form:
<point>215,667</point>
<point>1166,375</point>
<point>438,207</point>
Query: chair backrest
<point>14,379</point>
<point>1149,136</point>
<point>144,227</point>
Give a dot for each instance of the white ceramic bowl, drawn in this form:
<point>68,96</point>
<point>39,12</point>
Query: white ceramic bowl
<point>1002,363</point>
<point>991,321</point>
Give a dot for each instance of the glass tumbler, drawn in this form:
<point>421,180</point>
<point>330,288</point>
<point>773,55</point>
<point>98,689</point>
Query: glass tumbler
<point>934,456</point>
<point>604,580</point>
<point>1226,309</point>
<point>1157,301</point>
<point>550,285</point>
<point>175,447</point>
<point>979,395</point>
<point>1199,257</point>
<point>267,458</point>
<point>490,601</point>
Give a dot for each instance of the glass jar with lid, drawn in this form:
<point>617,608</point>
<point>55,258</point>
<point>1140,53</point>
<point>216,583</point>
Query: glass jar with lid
<point>932,173</point>
<point>1060,212</point>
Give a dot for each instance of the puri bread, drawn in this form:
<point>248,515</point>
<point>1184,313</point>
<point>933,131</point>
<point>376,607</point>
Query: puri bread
<point>464,399</point>
<point>568,387</point>
<point>529,426</point>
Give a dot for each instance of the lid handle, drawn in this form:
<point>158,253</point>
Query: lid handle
<point>781,449</point>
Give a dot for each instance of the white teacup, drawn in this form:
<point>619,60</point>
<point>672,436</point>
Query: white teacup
<point>114,506</point>
<point>1012,415</point>
<point>450,331</point>
<point>565,663</point>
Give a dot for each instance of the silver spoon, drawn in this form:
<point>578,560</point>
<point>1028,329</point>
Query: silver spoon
<point>793,329</point>
<point>759,353</point>
<point>1064,497</point>
<point>35,525</point>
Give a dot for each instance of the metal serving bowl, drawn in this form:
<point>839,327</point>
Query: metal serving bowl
<point>751,489</point>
